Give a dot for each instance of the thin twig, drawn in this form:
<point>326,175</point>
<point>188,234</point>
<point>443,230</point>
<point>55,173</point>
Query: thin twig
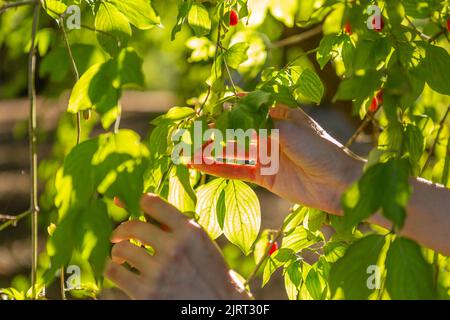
<point>12,220</point>
<point>433,147</point>
<point>34,206</point>
<point>229,76</point>
<point>298,37</point>
<point>16,4</point>
<point>75,71</point>
<point>420,33</point>
<point>266,255</point>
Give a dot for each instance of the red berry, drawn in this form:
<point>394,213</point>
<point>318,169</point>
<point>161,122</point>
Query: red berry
<point>379,97</point>
<point>234,18</point>
<point>377,101</point>
<point>448,24</point>
<point>273,247</point>
<point>374,24</point>
<point>348,28</point>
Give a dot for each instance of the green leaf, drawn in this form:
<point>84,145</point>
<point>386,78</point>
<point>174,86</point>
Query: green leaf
<point>243,215</point>
<point>325,52</point>
<point>310,87</point>
<point>279,258</point>
<point>54,8</point>
<point>414,145</point>
<point>175,114</point>
<point>183,10</point>
<point>434,68</point>
<point>181,194</point>
<point>313,284</point>
<point>350,272</point>
<point>139,12</point>
<point>104,167</point>
<point>383,186</point>
<point>409,275</point>
<point>236,54</point>
<point>293,279</point>
<point>113,29</point>
<point>97,89</point>
<point>199,20</point>
<point>299,239</point>
<point>207,205</point>
<point>130,69</point>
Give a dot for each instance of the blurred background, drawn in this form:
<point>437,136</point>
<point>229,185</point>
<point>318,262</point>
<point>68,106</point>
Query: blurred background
<point>175,73</point>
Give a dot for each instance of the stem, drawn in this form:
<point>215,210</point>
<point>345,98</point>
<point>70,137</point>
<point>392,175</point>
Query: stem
<point>34,206</point>
<point>229,76</point>
<point>16,4</point>
<point>358,131</point>
<point>298,37</point>
<point>62,286</point>
<point>75,71</point>
<point>436,268</point>
<point>277,236</point>
<point>433,147</point>
<point>12,220</point>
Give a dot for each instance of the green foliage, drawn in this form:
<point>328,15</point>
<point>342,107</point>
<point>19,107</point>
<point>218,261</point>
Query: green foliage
<point>408,61</point>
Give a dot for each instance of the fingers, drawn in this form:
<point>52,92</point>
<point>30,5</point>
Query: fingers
<point>137,257</point>
<point>162,211</point>
<point>297,115</point>
<point>228,170</point>
<point>144,232</point>
<point>124,279</point>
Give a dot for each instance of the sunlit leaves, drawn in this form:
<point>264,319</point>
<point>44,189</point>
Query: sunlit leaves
<point>138,12</point>
<point>100,87</point>
<point>243,215</point>
<point>199,20</point>
<point>236,54</point>
<point>112,22</point>
<point>409,275</point>
<point>108,166</point>
<point>434,69</point>
<point>310,86</point>
<point>183,11</point>
<point>350,272</point>
<point>113,29</point>
<point>207,205</point>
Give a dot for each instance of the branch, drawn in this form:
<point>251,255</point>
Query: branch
<point>12,220</point>
<point>433,147</point>
<point>74,70</point>
<point>266,255</point>
<point>16,5</point>
<point>298,37</point>
<point>420,33</point>
<point>32,132</point>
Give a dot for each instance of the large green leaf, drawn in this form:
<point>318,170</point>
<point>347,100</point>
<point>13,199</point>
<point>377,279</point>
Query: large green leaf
<point>310,86</point>
<point>236,54</point>
<point>350,272</point>
<point>383,186</point>
<point>139,12</point>
<point>113,28</point>
<point>98,169</point>
<point>434,69</point>
<point>243,215</point>
<point>199,20</point>
<point>409,275</point>
<point>206,209</point>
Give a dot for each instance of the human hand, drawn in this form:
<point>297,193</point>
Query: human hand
<point>186,263</point>
<point>314,170</point>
